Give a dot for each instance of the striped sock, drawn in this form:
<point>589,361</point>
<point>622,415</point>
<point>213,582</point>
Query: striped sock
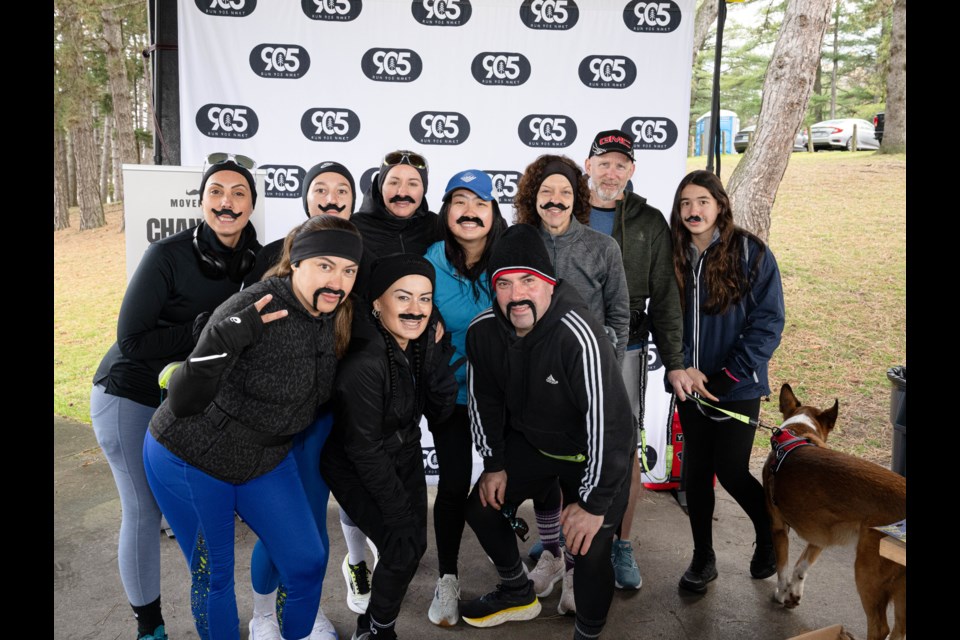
<point>513,577</point>
<point>548,524</point>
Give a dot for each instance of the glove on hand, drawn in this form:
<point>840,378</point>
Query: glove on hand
<point>402,545</point>
<point>198,324</point>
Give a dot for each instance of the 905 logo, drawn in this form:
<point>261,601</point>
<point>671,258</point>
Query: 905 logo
<point>439,127</point>
<point>540,130</point>
<point>227,121</point>
<point>500,68</point>
<point>391,65</point>
<point>366,178</point>
<point>505,184</point>
<point>279,61</point>
<point>653,357</point>
<point>607,72</point>
<point>549,14</point>
<point>283,180</point>
<point>441,13</point>
<point>651,132</point>
<point>330,124</point>
<point>332,10</point>
<point>431,466</point>
<point>645,16</point>
<point>230,8</point>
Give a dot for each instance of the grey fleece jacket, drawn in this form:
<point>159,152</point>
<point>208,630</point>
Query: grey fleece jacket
<point>591,263</point>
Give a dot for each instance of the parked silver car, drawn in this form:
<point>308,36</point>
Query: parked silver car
<point>838,134</point>
<point>743,137</point>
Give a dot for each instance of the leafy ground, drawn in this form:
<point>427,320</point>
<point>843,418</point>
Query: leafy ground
<point>838,232</point>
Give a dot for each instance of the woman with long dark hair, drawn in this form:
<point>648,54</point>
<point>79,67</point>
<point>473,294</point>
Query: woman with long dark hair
<point>178,278</point>
<point>221,442</point>
<point>733,318</point>
<point>469,225</point>
<point>394,373</point>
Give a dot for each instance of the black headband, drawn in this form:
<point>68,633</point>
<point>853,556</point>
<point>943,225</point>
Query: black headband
<point>568,172</point>
<point>327,242</point>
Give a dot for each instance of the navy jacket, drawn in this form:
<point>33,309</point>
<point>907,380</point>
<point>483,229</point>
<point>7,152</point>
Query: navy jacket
<point>743,339</point>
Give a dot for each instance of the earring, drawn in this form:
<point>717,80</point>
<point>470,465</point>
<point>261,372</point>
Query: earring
<point>376,313</point>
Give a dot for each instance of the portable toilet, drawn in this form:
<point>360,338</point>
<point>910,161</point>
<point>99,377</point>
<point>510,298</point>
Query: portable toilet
<point>729,125</point>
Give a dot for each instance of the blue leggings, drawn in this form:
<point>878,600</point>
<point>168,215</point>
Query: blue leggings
<point>200,509</point>
<point>120,424</point>
<point>306,449</point>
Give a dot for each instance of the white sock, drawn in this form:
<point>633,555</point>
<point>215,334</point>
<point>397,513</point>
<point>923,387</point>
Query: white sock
<point>264,604</point>
<point>356,542</point>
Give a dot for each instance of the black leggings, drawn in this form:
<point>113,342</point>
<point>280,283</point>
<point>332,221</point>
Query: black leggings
<point>530,474</point>
<point>721,448</point>
<point>455,459</point>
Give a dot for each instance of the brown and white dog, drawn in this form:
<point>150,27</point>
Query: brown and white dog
<point>830,498</point>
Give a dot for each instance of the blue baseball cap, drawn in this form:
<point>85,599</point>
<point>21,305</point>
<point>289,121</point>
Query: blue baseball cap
<point>473,180</point>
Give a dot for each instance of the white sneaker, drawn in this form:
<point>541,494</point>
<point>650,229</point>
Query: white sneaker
<point>445,608</point>
<point>358,585</point>
<point>567,604</point>
<point>264,628</point>
<point>548,572</point>
<point>322,628</point>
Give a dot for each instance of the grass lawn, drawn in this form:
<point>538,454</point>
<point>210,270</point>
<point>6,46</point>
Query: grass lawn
<point>839,234</point>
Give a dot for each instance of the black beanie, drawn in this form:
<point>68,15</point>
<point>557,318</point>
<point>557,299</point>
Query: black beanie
<point>520,250</point>
<point>388,269</point>
<point>331,167</point>
<point>230,165</point>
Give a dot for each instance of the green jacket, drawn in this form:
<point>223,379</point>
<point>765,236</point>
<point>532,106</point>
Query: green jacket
<point>644,238</point>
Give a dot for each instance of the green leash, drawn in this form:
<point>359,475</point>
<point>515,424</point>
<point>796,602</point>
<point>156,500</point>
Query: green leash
<point>736,416</point>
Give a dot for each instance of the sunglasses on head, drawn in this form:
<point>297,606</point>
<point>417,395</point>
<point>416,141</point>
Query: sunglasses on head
<point>518,524</point>
<point>415,160</point>
<point>246,162</point>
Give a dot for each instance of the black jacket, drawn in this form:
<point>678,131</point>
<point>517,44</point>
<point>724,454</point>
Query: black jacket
<point>384,233</point>
<point>268,379</point>
<point>163,298</point>
<point>560,386</point>
<point>377,412</point>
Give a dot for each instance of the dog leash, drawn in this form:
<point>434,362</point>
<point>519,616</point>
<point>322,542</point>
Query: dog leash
<point>736,416</point>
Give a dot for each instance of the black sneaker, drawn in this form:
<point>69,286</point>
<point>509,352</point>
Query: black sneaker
<point>501,606</point>
<point>702,569</point>
<point>764,562</point>
<point>363,628</point>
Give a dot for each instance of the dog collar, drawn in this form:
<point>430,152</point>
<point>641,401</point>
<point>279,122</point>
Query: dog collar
<point>783,442</point>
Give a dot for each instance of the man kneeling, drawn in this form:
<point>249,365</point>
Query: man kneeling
<point>546,402</point>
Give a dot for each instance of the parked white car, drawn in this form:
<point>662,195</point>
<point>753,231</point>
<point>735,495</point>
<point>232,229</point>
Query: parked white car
<point>838,134</point>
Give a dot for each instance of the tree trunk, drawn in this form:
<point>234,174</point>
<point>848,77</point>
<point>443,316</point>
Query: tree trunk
<point>147,155</point>
<point>61,211</point>
<point>836,55</point>
<point>895,120</point>
<point>706,16</point>
<point>818,91</point>
<point>105,168</point>
<point>71,172</point>
<point>786,91</point>
<point>88,185</point>
<point>120,91</point>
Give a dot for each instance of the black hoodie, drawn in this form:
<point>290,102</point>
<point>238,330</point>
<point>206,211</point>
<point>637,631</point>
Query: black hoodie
<point>560,386</point>
<point>384,233</point>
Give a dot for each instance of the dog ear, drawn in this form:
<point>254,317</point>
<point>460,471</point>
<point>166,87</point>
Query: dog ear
<point>828,418</point>
<point>788,401</point>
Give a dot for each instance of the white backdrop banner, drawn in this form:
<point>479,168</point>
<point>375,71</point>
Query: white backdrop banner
<point>488,84</point>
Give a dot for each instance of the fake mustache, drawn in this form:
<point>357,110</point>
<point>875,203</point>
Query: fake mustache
<point>412,316</point>
<point>523,303</point>
<point>332,207</point>
<point>693,219</point>
<point>554,205</point>
<point>227,212</point>
<point>463,219</point>
<point>322,290</point>
<point>399,198</point>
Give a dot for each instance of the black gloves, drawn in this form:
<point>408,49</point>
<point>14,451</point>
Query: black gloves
<point>441,383</point>
<point>198,324</point>
<point>720,383</point>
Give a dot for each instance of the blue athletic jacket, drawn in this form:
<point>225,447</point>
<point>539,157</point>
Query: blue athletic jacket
<point>743,339</point>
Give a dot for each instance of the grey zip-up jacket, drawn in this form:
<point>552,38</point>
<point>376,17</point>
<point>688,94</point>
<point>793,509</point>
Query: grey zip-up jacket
<point>591,263</point>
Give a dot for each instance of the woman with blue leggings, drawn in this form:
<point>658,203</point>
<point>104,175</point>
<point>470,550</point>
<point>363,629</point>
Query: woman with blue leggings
<point>222,441</point>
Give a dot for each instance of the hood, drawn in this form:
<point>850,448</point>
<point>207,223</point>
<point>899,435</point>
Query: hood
<point>373,205</point>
